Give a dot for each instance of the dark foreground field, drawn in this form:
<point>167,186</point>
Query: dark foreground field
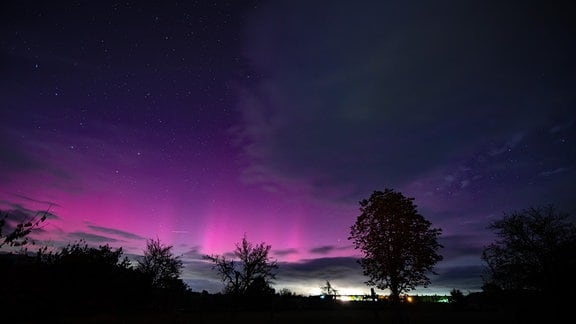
<point>477,308</point>
<point>304,316</point>
<point>344,315</point>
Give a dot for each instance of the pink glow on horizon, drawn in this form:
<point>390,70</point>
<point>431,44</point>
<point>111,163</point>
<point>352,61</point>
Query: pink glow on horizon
<point>288,219</point>
<point>131,193</point>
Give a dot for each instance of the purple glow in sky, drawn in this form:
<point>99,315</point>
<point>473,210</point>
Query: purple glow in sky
<point>197,123</point>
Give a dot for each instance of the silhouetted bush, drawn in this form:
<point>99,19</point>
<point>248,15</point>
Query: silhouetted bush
<point>80,280</point>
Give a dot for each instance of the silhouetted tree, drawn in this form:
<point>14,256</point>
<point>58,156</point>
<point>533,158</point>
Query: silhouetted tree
<point>79,253</point>
<point>161,265</point>
<point>457,298</point>
<point>251,270</point>
<point>400,247</point>
<point>260,287</point>
<point>88,278</point>
<point>286,292</point>
<point>535,250</point>
<point>328,289</point>
<point>14,232</point>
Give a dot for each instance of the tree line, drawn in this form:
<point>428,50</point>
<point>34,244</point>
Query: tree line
<point>534,251</point>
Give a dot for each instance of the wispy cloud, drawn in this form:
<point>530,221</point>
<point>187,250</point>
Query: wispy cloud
<point>548,173</point>
<point>327,249</point>
<point>43,202</point>
<point>322,249</point>
<point>286,252</point>
<point>113,231</point>
<point>91,238</point>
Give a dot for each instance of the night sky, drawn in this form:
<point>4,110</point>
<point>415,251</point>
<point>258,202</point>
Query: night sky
<point>197,122</point>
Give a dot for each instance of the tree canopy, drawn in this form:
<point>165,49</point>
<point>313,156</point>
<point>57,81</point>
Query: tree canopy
<point>15,227</point>
<point>250,272</point>
<point>79,253</point>
<point>535,249</point>
<point>328,290</point>
<point>85,278</point>
<point>399,245</point>
<point>161,265</point>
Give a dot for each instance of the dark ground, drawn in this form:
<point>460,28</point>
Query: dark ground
<point>343,313</point>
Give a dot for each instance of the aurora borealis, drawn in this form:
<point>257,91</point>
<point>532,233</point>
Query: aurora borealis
<point>199,122</point>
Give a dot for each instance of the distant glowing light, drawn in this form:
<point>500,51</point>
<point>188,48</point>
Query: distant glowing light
<point>345,298</point>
